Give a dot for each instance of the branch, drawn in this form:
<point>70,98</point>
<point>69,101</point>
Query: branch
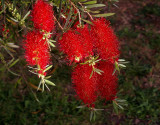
<point>58,23</point>
<point>86,11</point>
<point>79,15</point>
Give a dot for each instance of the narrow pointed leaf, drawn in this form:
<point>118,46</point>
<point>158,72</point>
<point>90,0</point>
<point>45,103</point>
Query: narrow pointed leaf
<point>91,74</point>
<point>96,58</point>
<point>53,41</point>
<point>82,106</point>
<point>104,15</point>
<point>98,71</point>
<point>121,65</point>
<point>91,115</point>
<point>12,45</point>
<point>14,63</point>
<point>81,0</point>
<point>27,14</point>
<point>52,44</point>
<point>115,107</point>
<point>117,67</point>
<point>91,2</point>
<point>89,22</point>
<point>121,60</point>
<point>49,82</point>
<point>47,77</point>
<point>120,107</point>
<point>114,71</point>
<point>48,68</point>
<point>95,5</point>
<point>14,19</point>
<point>94,12</point>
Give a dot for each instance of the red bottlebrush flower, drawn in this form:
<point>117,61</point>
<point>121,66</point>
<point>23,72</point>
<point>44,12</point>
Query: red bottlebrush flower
<point>107,83</point>
<point>36,50</point>
<point>76,44</point>
<point>86,40</point>
<point>71,45</point>
<point>42,16</point>
<point>105,42</point>
<point>84,87</point>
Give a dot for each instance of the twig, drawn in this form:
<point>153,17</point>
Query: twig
<point>60,8</point>
<point>23,76</point>
<point>58,23</point>
<point>79,15</point>
<point>86,11</point>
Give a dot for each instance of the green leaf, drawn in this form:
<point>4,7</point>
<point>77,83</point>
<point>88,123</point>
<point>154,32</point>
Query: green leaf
<point>18,82</point>
<point>52,44</point>
<point>14,20</point>
<point>91,115</point>
<point>81,0</point>
<point>54,4</point>
<point>53,41</point>
<point>1,11</point>
<point>114,71</point>
<point>120,100</point>
<point>14,63</point>
<point>98,71</point>
<point>27,14</point>
<point>121,65</point>
<point>89,22</point>
<point>82,106</point>
<point>121,60</point>
<point>47,77</point>
<point>49,82</point>
<point>104,15</point>
<point>91,2</point>
<point>117,67</point>
<point>13,73</point>
<point>12,45</point>
<point>115,0</point>
<point>115,107</point>
<point>91,74</point>
<point>96,58</point>
<point>95,5</point>
<point>94,11</point>
<point>120,106</point>
<point>48,68</point>
<point>124,62</point>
